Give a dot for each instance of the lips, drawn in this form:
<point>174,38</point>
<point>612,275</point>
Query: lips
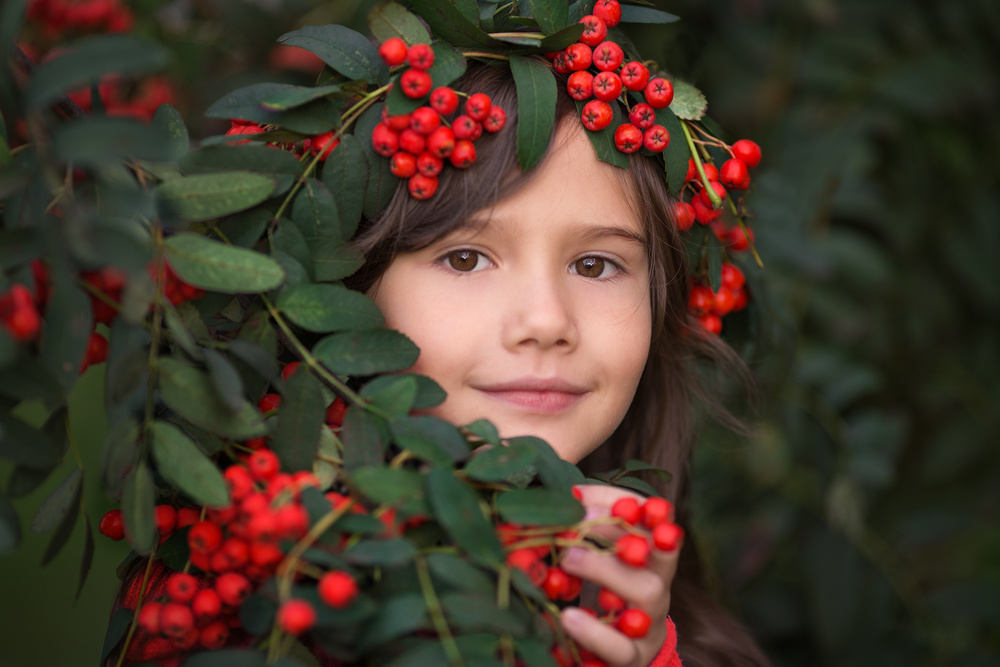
<point>539,395</point>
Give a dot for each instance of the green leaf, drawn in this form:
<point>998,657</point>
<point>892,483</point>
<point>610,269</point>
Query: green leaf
<point>256,157</point>
<point>137,509</point>
<point>10,526</point>
<point>323,308</point>
<point>386,553</point>
<point>603,141</point>
<point>430,438</point>
<point>300,420</point>
<point>181,463</point>
<point>554,472</point>
<point>456,507</point>
<point>675,156</point>
<point>539,507</point>
<point>103,139</point>
<point>179,333</point>
<point>296,96</point>
<point>689,103</point>
<point>118,625</point>
<point>363,439</point>
<point>391,19</point>
<point>536,108</point>
<point>513,463</point>
<point>457,21</point>
<point>316,117</point>
<point>315,212</point>
<point>210,196</point>
<point>225,378</point>
<point>366,353</point>
<point>551,15</point>
<point>189,391</point>
<point>394,399</point>
<point>227,657</point>
<point>345,50</point>
<point>485,430</point>
<point>25,445</point>
<point>534,652</point>
<point>399,615</point>
<point>288,240</point>
<point>635,14</point>
<point>66,525</point>
<point>87,559</point>
<point>334,259</point>
<point>59,502</point>
<point>218,267</point>
<point>470,613</point>
<point>563,38</point>
<point>392,486</point>
<point>88,60</point>
<point>381,185</point>
<point>460,574</point>
<point>169,123</point>
<point>449,64</point>
<point>345,174</point>
<point>67,329</point>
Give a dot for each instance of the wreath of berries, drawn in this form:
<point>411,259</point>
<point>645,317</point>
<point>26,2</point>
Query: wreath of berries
<point>278,479</point>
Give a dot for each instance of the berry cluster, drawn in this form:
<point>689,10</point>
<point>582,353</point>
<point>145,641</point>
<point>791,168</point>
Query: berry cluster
<point>57,17</point>
<point>648,525</point>
<point>418,143</point>
<point>597,69</point>
<point>19,314</point>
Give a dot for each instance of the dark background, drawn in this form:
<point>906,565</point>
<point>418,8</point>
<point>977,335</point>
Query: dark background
<point>859,524</point>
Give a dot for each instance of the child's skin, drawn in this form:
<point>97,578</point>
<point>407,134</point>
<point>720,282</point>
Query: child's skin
<point>539,319</point>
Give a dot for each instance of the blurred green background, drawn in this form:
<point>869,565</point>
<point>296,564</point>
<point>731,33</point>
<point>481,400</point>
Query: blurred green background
<point>860,525</point>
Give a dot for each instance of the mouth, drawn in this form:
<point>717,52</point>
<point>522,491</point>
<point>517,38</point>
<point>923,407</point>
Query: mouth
<point>542,396</point>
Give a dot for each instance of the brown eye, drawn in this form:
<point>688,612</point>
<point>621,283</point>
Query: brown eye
<point>464,260</point>
<point>590,267</point>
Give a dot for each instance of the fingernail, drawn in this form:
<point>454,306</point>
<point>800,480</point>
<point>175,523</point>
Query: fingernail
<point>591,514</point>
<point>573,555</point>
<point>571,617</point>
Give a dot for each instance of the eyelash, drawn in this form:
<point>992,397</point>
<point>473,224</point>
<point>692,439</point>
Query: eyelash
<point>445,261</point>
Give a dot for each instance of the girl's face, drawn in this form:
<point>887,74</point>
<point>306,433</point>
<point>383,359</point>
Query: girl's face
<point>536,315</point>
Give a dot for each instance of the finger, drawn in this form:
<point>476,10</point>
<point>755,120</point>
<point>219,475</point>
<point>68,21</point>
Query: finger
<point>607,643</point>
<point>647,588</point>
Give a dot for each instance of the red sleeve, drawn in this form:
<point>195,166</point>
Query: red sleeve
<point>667,657</point>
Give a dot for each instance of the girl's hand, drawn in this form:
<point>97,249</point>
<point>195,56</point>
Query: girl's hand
<point>646,588</point>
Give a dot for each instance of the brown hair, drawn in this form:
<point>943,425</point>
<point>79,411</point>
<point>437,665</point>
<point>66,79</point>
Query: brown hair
<point>658,425</point>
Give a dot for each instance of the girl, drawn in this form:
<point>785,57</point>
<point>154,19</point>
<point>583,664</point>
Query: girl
<point>554,304</point>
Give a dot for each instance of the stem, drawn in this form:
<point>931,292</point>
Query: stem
<point>291,560</point>
<point>484,54</point>
<point>716,202</point>
<point>437,614</point>
<point>154,345</point>
<point>532,35</point>
<point>503,588</point>
<point>138,606</point>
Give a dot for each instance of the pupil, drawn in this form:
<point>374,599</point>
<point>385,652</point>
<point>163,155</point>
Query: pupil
<point>591,267</point>
<point>464,260</point>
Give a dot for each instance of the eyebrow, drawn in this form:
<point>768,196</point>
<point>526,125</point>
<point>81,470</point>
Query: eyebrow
<point>590,233</point>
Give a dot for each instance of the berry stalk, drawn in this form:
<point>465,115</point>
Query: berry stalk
<point>716,201</point>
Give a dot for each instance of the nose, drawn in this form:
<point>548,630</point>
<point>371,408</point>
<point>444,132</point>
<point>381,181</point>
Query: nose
<point>540,314</point>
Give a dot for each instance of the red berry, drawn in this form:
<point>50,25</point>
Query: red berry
<point>265,554</point>
<point>628,138</point>
<point>269,402</point>
<point>578,57</point>
<point>236,553</point>
<point>608,56</point>
<point>396,123</point>
<point>642,116</point>
<point>719,190</point>
<point>724,300</point>
<point>420,56</point>
<point>610,601</point>
<point>655,139</point>
<point>596,115</point>
<point>416,83</point>
<point>323,145</point>
<point>683,215</point>
<point>559,63</point>
<point>19,314</point>
<point>422,187</point>
<point>385,140</point>
<point>632,549</point>
<point>429,165</point>
<point>556,583</point>
<point>256,443</point>
<point>444,100</point>
<point>412,142</point>
<point>659,93</point>
<point>393,51</point>
<point>711,323</point>
<point>528,562</point>
<point>464,154</point>
<point>656,511</point>
<point>465,127</point>
<point>441,142</point>
<point>187,516</point>
<point>166,519</point>
<point>711,173</point>
<point>205,537</point>
<point>495,120</point>
<point>337,589</point>
<point>733,173</point>
<point>97,351</point>
<point>402,164</point>
<point>296,616</point>
<point>732,276</point>
<point>233,588</point>
<point>562,656</point>
<point>425,120</point>
<point>704,213</point>
<point>738,240</point>
<point>176,619</point>
<point>580,85</point>
<point>634,623</point>
<point>700,299</point>
<point>595,30</point>
<point>239,481</point>
<point>214,635</point>
<point>478,106</point>
<point>149,617</point>
<point>292,520</point>
<point>111,525</point>
<point>263,464</point>
<point>335,411</point>
<point>635,76</point>
<point>206,604</point>
<point>607,86</point>
<point>627,509</point>
<point>609,11</point>
<point>748,151</point>
<point>289,368</point>
<point>741,300</point>
<point>573,589</point>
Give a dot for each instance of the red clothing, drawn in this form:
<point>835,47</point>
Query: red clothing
<point>667,657</point>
